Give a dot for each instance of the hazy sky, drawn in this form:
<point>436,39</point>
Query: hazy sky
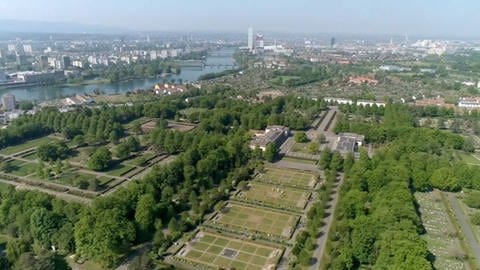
<point>431,17</point>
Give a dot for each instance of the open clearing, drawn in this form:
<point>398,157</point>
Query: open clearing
<point>274,196</point>
<point>26,145</point>
<point>222,252</point>
<point>468,158</point>
<point>22,166</point>
<point>287,177</point>
<point>441,235</point>
<point>257,219</point>
<point>177,126</point>
<point>19,168</point>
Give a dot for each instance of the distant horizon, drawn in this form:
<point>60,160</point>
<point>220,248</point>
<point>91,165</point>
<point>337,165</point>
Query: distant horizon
<point>24,27</point>
<point>444,18</point>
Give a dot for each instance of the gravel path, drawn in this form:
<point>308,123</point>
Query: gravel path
<point>465,225</point>
<point>325,230</point>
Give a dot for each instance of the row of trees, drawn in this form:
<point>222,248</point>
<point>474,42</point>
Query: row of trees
<point>305,242</point>
<point>376,222</point>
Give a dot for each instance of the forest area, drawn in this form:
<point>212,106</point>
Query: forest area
<point>168,201</point>
<point>377,223</point>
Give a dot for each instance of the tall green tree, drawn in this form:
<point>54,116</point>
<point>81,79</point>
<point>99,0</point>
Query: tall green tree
<point>271,152</point>
<point>100,160</point>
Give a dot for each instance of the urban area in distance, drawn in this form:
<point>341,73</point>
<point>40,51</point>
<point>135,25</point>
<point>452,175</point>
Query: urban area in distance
<point>231,135</point>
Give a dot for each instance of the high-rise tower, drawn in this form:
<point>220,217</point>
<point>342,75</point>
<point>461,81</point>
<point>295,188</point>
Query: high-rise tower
<point>250,39</point>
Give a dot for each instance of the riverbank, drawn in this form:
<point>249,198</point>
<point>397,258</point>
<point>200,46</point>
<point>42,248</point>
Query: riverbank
<point>52,92</point>
<point>86,82</point>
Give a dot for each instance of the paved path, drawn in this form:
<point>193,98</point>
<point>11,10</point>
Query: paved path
<point>325,230</point>
<point>465,225</point>
<point>138,251</point>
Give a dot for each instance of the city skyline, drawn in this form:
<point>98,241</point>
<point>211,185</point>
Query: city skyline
<point>432,18</point>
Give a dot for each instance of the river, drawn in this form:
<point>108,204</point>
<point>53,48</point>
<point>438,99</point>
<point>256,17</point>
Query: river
<point>216,61</point>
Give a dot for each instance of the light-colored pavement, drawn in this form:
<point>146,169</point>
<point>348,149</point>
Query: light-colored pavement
<point>325,230</point>
<point>465,225</point>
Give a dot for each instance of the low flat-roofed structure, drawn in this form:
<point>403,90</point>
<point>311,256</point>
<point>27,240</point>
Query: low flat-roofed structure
<point>349,142</point>
<point>272,134</point>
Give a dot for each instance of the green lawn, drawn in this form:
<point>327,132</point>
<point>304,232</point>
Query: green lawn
<point>258,219</point>
<point>119,170</point>
<point>137,160</point>
<point>287,177</point>
<point>299,160</point>
<point>82,154</point>
<point>73,178</point>
<point>31,156</point>
<point>301,148</point>
<point>104,181</point>
<point>274,196</point>
<point>468,158</point>
<point>217,251</point>
<point>141,120</point>
<point>21,168</point>
<point>26,145</point>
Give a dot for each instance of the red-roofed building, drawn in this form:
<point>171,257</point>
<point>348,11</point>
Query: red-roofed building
<point>357,80</point>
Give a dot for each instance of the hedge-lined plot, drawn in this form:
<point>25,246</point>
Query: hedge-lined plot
<point>440,232</point>
<point>26,145</point>
<point>288,177</point>
<point>274,196</point>
<point>209,250</point>
<point>256,219</point>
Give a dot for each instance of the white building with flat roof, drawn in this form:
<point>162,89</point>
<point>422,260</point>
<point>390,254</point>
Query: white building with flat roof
<point>8,102</point>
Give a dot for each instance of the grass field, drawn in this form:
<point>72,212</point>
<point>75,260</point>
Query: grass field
<point>301,148</point>
<point>21,168</point>
<point>299,160</point>
<point>82,154</point>
<point>288,177</point>
<point>256,219</point>
<point>26,145</point>
<point>275,196</point>
<point>140,121</point>
<point>119,170</point>
<point>137,160</point>
<point>221,252</point>
<point>31,156</point>
<point>441,238</point>
<point>72,177</point>
<point>468,158</point>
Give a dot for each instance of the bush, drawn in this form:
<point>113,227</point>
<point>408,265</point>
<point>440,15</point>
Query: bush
<point>300,137</point>
<point>473,200</point>
<point>475,218</point>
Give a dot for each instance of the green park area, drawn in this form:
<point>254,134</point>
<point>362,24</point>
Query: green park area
<point>287,177</point>
<point>257,219</point>
<point>214,251</point>
<point>470,159</point>
<point>274,196</point>
<point>26,145</point>
<point>69,164</point>
<point>19,168</point>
